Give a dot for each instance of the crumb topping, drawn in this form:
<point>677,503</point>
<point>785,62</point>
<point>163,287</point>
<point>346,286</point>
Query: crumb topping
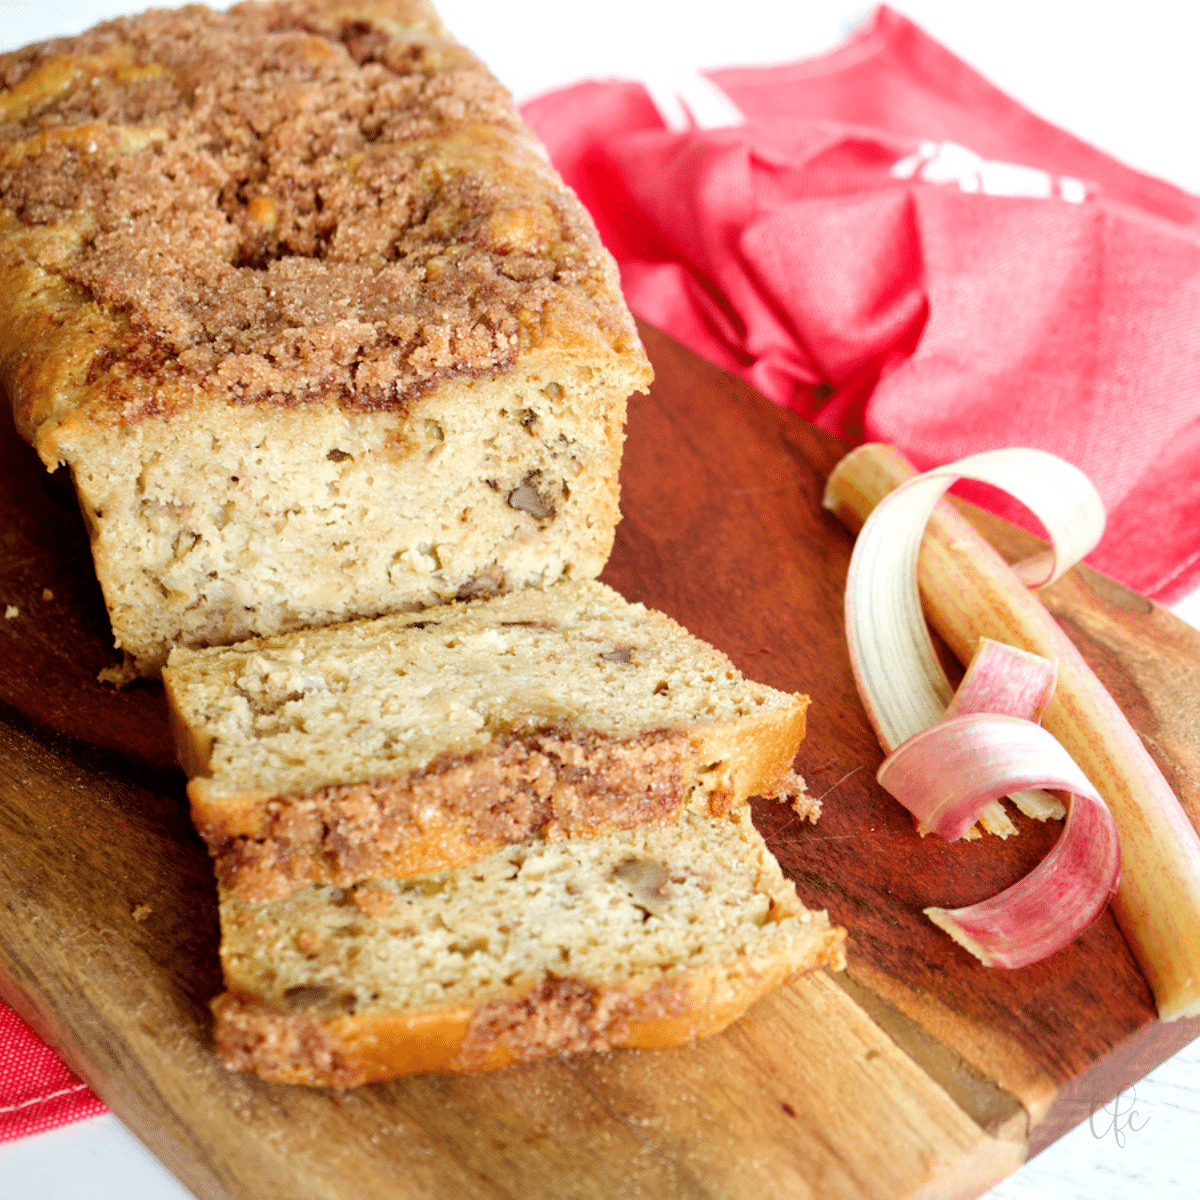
<point>292,201</point>
<point>564,1016</point>
<point>555,782</point>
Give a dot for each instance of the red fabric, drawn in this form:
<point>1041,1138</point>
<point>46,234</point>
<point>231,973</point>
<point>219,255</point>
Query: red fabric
<point>930,311</point>
<point>37,1092</point>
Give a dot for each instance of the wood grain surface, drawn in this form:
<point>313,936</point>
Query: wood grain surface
<point>916,1073</point>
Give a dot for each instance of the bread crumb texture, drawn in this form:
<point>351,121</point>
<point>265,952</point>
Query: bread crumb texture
<point>370,699</point>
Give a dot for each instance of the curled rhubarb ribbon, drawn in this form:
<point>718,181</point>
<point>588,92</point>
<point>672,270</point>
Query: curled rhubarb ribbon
<point>952,755</point>
<point>1004,679</point>
<point>945,774</point>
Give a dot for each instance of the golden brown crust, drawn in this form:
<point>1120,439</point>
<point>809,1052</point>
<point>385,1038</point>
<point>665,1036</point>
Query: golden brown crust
<point>559,783</point>
<point>287,203</point>
<point>751,755</point>
<point>551,1016</point>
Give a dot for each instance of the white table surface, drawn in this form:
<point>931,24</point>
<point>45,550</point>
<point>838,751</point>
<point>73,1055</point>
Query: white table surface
<point>1124,77</point>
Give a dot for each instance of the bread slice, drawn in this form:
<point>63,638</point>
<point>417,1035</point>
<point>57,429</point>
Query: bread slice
<point>316,328</point>
<point>415,743</point>
<point>643,938</point>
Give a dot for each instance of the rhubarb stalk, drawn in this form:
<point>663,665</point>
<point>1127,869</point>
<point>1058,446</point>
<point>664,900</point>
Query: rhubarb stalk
<point>969,592</point>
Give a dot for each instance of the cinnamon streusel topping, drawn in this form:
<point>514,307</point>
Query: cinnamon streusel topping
<point>290,202</point>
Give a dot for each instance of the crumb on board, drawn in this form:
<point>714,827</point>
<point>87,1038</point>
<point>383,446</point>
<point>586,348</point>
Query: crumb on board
<point>790,789</point>
<point>47,594</point>
<point>119,675</point>
<point>12,612</point>
<point>141,912</point>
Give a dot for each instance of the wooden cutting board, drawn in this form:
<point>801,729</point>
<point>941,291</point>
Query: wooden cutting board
<point>916,1073</point>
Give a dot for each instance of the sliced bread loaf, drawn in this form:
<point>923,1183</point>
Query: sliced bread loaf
<point>418,742</point>
<point>643,938</point>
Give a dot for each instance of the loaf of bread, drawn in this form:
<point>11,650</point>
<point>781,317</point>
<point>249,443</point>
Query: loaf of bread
<point>417,742</point>
<point>645,938</point>
<point>317,330</point>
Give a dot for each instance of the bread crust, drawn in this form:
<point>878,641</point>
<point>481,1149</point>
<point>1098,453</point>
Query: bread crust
<point>558,783</point>
<point>105,350</point>
<point>551,1015</point>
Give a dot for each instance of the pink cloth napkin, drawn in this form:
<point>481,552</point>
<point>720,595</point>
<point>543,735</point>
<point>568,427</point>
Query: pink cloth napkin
<point>899,252</point>
<point>37,1092</point>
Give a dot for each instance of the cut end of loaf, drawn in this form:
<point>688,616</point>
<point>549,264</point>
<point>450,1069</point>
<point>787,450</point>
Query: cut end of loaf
<point>220,524</point>
<point>301,377</point>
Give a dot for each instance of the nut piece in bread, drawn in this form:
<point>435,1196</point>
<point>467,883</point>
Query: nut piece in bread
<point>295,296</point>
<point>541,948</point>
<point>415,743</point>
